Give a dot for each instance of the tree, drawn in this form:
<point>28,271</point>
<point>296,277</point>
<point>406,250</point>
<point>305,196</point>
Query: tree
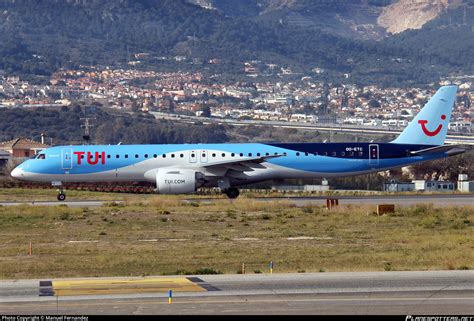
<point>374,103</point>
<point>206,111</point>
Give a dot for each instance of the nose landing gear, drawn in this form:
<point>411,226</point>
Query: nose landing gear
<point>61,194</point>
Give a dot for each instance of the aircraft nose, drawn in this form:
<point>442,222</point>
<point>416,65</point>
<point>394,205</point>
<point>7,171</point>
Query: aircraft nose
<point>18,173</point>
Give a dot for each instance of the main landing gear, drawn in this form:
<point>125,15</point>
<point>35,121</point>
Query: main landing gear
<point>224,185</point>
<point>232,192</point>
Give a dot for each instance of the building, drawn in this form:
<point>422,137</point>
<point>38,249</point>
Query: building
<point>464,185</point>
<point>4,155</point>
<point>395,186</point>
<point>22,147</point>
<point>434,186</point>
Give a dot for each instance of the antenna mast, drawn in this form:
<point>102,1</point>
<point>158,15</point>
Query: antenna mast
<point>87,125</point>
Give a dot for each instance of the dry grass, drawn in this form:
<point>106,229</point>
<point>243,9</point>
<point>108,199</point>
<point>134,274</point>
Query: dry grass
<point>152,234</point>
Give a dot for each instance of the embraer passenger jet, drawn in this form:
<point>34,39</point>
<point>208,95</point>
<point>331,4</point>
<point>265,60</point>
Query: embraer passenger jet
<point>179,169</point>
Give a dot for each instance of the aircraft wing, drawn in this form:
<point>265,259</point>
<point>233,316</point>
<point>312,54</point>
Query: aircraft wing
<point>241,165</point>
<point>450,149</point>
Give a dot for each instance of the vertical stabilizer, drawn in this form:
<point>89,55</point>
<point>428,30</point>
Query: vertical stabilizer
<point>430,126</point>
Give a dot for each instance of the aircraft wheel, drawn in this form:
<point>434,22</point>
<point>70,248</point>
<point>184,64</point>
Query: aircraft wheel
<point>61,197</point>
<point>232,193</point>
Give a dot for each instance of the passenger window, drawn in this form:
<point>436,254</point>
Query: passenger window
<point>146,155</point>
<point>193,155</point>
<point>173,155</point>
<point>333,153</point>
<point>164,155</point>
<point>223,155</point>
<point>213,154</point>
<point>343,154</point>
<point>181,155</point>
<point>306,154</point>
<point>108,156</point>
<point>361,154</point>
<point>351,154</point>
<point>126,156</point>
<point>136,155</point>
<point>267,154</point>
<point>241,154</point>
<point>250,154</point>
<point>297,154</point>
<point>233,154</point>
<point>82,156</point>
<point>117,156</point>
<point>258,154</point>
<point>155,156</point>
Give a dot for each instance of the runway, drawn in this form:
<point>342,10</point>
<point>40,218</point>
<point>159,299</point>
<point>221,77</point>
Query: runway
<point>405,293</point>
<point>401,200</point>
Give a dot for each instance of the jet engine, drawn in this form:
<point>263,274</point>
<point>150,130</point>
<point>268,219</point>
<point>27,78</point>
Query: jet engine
<point>178,181</point>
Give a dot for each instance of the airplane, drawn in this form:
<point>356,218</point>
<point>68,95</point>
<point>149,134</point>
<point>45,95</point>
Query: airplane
<point>183,168</point>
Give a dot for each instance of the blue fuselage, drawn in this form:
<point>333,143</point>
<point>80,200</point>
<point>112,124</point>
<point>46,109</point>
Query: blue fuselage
<point>109,163</point>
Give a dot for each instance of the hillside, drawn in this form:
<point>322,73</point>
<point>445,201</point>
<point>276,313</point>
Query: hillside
<point>407,14</point>
<point>373,19</point>
<point>40,36</point>
<point>63,127</point>
<point>449,40</point>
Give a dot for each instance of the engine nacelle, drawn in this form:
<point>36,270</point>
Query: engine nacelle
<point>177,181</point>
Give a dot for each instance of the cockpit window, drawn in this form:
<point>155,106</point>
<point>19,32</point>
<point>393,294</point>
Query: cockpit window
<point>41,156</point>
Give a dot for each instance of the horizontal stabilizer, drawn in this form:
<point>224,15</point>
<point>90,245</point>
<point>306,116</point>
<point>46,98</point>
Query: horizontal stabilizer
<point>450,149</point>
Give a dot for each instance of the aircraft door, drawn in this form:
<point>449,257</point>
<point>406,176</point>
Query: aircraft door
<point>373,154</point>
<point>66,158</point>
<point>203,155</point>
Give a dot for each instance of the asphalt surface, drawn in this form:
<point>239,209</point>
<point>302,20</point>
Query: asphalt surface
<point>402,200</point>
<point>402,293</point>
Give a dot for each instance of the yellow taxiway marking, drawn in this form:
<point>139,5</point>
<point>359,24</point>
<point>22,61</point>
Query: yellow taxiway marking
<point>124,286</point>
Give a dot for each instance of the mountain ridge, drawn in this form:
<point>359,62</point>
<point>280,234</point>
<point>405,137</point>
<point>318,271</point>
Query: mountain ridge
<point>41,36</point>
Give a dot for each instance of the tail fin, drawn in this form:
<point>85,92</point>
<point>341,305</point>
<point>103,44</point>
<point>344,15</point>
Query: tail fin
<point>430,126</point>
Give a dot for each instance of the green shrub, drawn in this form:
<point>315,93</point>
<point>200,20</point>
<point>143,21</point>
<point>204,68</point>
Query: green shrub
<point>64,217</point>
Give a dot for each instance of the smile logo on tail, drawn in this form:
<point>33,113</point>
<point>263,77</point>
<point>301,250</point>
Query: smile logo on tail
<point>428,132</point>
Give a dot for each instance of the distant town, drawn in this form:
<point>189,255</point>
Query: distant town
<point>305,100</point>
